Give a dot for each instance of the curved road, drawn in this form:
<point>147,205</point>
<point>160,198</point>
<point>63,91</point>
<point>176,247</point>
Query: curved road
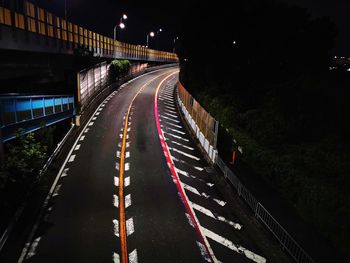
<point>135,188</point>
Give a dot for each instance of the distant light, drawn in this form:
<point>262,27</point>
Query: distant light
<point>234,42</point>
<point>160,30</point>
<point>151,34</point>
<point>348,69</point>
<point>125,16</point>
<point>335,56</point>
<point>122,25</point>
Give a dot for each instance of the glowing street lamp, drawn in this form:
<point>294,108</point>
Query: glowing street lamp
<point>121,25</point>
<point>174,42</point>
<point>151,34</point>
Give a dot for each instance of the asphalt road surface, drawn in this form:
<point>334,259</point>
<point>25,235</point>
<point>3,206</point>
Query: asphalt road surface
<point>135,188</point>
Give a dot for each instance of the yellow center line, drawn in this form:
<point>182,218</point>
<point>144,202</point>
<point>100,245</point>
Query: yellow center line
<point>122,221</point>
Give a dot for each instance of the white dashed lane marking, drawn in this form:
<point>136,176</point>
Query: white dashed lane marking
<point>82,138</point>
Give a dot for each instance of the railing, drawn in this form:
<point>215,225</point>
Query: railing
<point>286,241</point>
<point>26,26</point>
<point>202,123</point>
<point>18,110</point>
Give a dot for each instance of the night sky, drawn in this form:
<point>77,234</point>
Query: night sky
<point>146,16</point>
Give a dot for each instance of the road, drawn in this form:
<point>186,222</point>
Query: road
<point>135,188</point>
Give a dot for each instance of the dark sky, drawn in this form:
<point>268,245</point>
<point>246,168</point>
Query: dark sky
<point>339,12</point>
<point>146,16</point>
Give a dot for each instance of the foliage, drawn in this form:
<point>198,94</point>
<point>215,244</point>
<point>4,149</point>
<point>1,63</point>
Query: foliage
<point>24,161</point>
<point>121,67</point>
<point>273,93</point>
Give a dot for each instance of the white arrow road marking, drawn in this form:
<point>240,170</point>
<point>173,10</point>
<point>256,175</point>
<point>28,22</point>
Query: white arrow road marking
<point>116,181</point>
<point>65,172</point>
<point>115,201</point>
<point>116,227</point>
<point>127,181</point>
<point>133,256</point>
<point>71,159</point>
<point>129,226</point>
<point>227,243</point>
<point>33,247</point>
<point>116,258</point>
<point>210,214</point>
<point>127,201</point>
<point>77,147</point>
<point>57,189</point>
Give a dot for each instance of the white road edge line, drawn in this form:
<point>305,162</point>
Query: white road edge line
<point>58,176</point>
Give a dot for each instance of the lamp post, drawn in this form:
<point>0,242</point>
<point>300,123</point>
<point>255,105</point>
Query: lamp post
<point>151,34</point>
<point>174,42</point>
<point>158,31</point>
<point>121,26</point>
<point>65,10</point>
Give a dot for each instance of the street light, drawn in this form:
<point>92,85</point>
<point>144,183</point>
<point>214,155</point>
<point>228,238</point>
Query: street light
<point>151,34</point>
<point>158,31</point>
<point>121,26</point>
<point>65,10</point>
<point>174,41</point>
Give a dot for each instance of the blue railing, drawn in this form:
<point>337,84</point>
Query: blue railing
<point>29,112</point>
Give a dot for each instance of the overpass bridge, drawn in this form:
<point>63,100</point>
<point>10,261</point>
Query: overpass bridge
<point>26,27</point>
<point>38,34</point>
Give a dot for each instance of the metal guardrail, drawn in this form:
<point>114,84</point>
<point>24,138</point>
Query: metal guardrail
<point>286,240</point>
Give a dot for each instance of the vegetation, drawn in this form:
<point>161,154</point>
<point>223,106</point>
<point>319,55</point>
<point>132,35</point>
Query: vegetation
<point>267,82</point>
<point>20,171</point>
<point>120,67</point>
